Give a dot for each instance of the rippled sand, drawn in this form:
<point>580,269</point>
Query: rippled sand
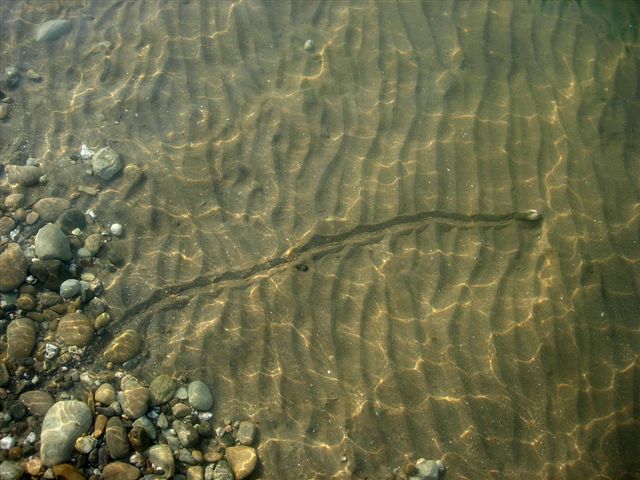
<point>326,237</point>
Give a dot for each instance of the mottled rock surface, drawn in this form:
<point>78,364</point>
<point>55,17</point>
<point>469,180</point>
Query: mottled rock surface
<point>62,425</point>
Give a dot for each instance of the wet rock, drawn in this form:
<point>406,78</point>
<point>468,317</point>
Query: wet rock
<point>139,438</point>
<point>428,470</point>
<point>72,219</point>
<point>93,243</point>
<point>14,200</point>
<point>242,460</point>
<point>162,457</point>
<point>62,425</point>
<point>200,396</point>
<point>25,175</point>
<point>106,163</point>
<point>5,108</point>
<point>6,225</point>
<point>13,267</point>
<point>67,472</point>
<point>161,389</point>
<point>100,425</point>
<point>195,473</point>
<point>105,394</point>
<point>134,397</point>
<point>116,438</point>
<point>52,30</point>
<point>51,243</point>
<point>147,424</point>
<point>50,272</point>
<point>180,410</point>
<point>21,338</point>
<point>75,329</point>
<point>120,471</point>
<point>4,375</point>
<point>124,347</point>
<point>50,208</point>
<point>26,302</point>
<point>85,444</point>
<point>222,471</point>
<point>11,470</point>
<point>37,402</point>
<point>247,433</point>
<point>69,288</point>
<point>187,434</point>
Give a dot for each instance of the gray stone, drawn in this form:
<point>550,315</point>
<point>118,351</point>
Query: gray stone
<point>13,267</point>
<point>161,389</point>
<point>186,433</point>
<point>428,470</point>
<point>134,397</point>
<point>105,394</point>
<point>62,425</point>
<point>10,470</point>
<point>50,208</point>
<point>70,288</point>
<point>309,45</point>
<point>106,163</point>
<point>161,457</point>
<point>147,424</point>
<point>182,394</point>
<point>21,338</point>
<point>116,438</point>
<point>52,30</point>
<point>162,421</point>
<point>75,329</point>
<point>25,175</point>
<point>247,433</point>
<point>199,395</point>
<point>52,243</point>
<point>37,402</point>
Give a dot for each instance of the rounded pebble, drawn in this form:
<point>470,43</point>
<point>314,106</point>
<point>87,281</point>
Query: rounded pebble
<point>62,425</point>
<point>75,329</point>
<point>309,45</point>
<point>200,396</point>
<point>69,288</point>
<point>161,457</point>
<point>116,229</point>
<point>21,338</point>
<point>124,347</point>
<point>13,267</point>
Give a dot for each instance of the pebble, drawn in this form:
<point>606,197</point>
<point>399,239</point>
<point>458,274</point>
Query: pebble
<point>4,110</point>
<point>195,473</point>
<point>4,374</point>
<point>120,471</point>
<point>52,30</point>
<point>7,442</point>
<point>25,175</point>
<point>32,218</point>
<point>85,444</point>
<point>67,472</point>
<point>75,329</point>
<point>200,396</point>
<point>50,272</point>
<point>242,460</point>
<point>134,397</point>
<point>428,470</point>
<point>10,470</point>
<point>186,433</point>
<point>102,320</point>
<point>116,229</point>
<point>26,302</point>
<point>85,152</point>
<point>13,267</point>
<point>247,433</point>
<point>124,347</point>
<point>309,45</point>
<point>71,219</point>
<point>70,288</point>
<point>51,350</point>
<point>52,243</point>
<point>106,163</point>
<point>180,410</point>
<point>13,77</point>
<point>222,471</point>
<point>139,438</point>
<point>37,402</point>
<point>162,421</point>
<point>93,243</point>
<point>33,75</point>
<point>6,225</point>
<point>161,389</point>
<point>62,425</point>
<point>105,394</point>
<point>21,338</point>
<point>161,457</point>
<point>100,425</point>
<point>14,200</point>
<point>116,438</point>
<point>50,208</point>
<point>528,216</point>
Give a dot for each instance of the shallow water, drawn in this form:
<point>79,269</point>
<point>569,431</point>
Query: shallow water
<point>327,237</point>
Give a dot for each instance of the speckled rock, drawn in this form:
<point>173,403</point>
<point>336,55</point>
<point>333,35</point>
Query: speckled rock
<point>52,243</point>
<point>116,438</point>
<point>93,243</point>
<point>62,425</point>
<point>134,397</point>
<point>242,460</point>
<point>200,396</point>
<point>25,175</point>
<point>50,208</point>
<point>186,433</point>
<point>124,347</point>
<point>222,471</point>
<point>37,402</point>
<point>247,433</point>
<point>106,163</point>
<point>21,338</point>
<point>13,267</point>
<point>161,389</point>
<point>162,457</point>
<point>75,329</point>
<point>120,471</point>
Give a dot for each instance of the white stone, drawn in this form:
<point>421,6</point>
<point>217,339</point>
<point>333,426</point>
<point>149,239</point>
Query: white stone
<point>7,442</point>
<point>116,229</point>
<point>86,153</point>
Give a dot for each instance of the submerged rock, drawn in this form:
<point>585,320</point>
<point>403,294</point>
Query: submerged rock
<point>51,244</point>
<point>106,163</point>
<point>62,425</point>
<point>242,460</point>
<point>21,338</point>
<point>124,347</point>
<point>52,30</point>
<point>13,268</point>
<point>75,329</point>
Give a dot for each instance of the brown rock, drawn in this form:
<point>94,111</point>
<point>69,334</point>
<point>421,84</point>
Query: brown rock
<point>116,438</point>
<point>67,472</point>
<point>135,397</point>
<point>100,425</point>
<point>14,200</point>
<point>25,175</point>
<point>13,267</point>
<point>242,460</point>
<point>6,225</point>
<point>120,471</point>
<point>50,208</point>
<point>124,347</point>
<point>37,402</point>
<point>21,338</point>
<point>139,438</point>
<point>26,302</point>
<point>33,466</point>
<point>75,329</point>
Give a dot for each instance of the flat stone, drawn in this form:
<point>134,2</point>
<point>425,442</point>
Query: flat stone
<point>13,267</point>
<point>105,394</point>
<point>134,397</point>
<point>52,30</point>
<point>50,208</point>
<point>100,425</point>
<point>161,457</point>
<point>124,347</point>
<point>161,389</point>
<point>37,402</point>
<point>247,433</point>
<point>116,438</point>
<point>200,396</point>
<point>120,471</point>
<point>106,163</point>
<point>70,288</point>
<point>25,175</point>
<point>21,338</point>
<point>62,425</point>
<point>75,329</point>
<point>51,273</point>
<point>242,460</point>
<point>52,243</point>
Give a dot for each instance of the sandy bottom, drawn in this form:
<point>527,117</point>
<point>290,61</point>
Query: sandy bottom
<point>327,238</point>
